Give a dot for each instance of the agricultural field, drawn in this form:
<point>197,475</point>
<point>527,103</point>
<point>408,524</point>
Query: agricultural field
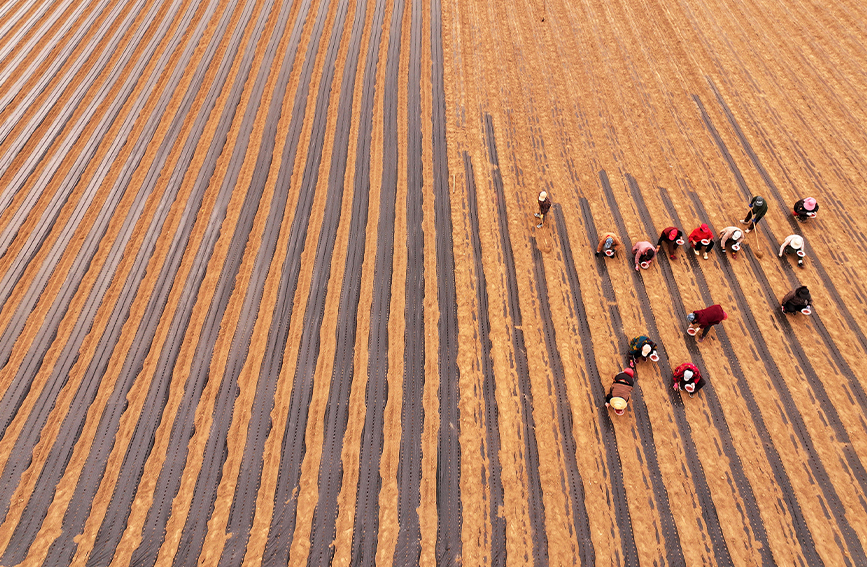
<point>272,290</point>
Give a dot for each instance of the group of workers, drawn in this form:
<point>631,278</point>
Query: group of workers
<point>687,376</point>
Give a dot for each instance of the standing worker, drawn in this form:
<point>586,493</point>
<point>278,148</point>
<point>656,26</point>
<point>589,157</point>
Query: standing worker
<point>758,208</point>
<point>797,301</point>
<point>701,239</point>
<point>731,234</point>
<point>544,207</point>
<point>673,238</point>
<point>688,377</point>
<point>805,209</point>
<point>794,244</point>
<point>704,319</point>
<point>644,253</point>
<point>608,245</point>
<point>621,389</point>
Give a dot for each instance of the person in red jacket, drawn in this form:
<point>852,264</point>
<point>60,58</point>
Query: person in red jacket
<point>544,207</point>
<point>672,237</point>
<point>701,239</point>
<point>621,389</point>
<point>644,253</point>
<point>687,377</point>
<point>706,318</point>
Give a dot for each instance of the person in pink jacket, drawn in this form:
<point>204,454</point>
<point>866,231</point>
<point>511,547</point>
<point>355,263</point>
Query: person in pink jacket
<point>644,253</point>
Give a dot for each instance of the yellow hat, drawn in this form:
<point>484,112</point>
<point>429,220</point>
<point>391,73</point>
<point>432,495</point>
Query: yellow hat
<point>618,403</point>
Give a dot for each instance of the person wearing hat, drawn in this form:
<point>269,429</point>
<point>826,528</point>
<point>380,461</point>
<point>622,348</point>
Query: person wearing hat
<point>701,239</point>
<point>644,253</point>
<point>618,395</point>
<point>706,318</point>
<point>688,378</point>
<point>805,209</point>
<point>733,234</point>
<point>544,207</point>
<point>758,208</point>
<point>794,244</point>
<point>608,245</point>
<point>672,237</point>
<point>642,348</point>
<point>797,300</point>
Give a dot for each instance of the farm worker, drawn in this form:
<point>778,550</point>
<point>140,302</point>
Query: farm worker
<point>733,234</point>
<point>688,378</point>
<point>621,389</point>
<point>644,253</point>
<point>758,208</point>
<point>794,244</point>
<point>797,300</point>
<point>642,348</point>
<point>706,318</point>
<point>608,245</point>
<point>672,237</point>
<point>805,209</point>
<point>701,239</point>
<point>544,207</point>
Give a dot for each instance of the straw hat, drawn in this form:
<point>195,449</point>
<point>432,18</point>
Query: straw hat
<point>543,195</point>
<point>618,403</point>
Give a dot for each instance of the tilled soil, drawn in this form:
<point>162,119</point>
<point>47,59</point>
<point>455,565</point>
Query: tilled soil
<point>271,289</point>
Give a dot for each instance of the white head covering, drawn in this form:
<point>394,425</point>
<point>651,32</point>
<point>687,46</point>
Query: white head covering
<point>797,242</point>
<point>543,195</point>
<point>687,374</point>
<point>645,350</point>
<point>737,234</point>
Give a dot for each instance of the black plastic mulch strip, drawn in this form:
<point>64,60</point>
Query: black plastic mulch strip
<point>366,529</point>
<point>408,548</point>
<point>139,447</point>
<point>790,500</point>
<point>671,540</point>
<point>815,260</point>
<point>168,482</point>
<point>449,546</point>
<point>37,237</point>
<point>47,113</point>
<point>216,449</point>
<point>817,468</point>
<point>573,484</point>
<point>19,387</point>
<point>531,451</point>
<point>742,484</point>
<point>605,426</point>
<point>336,412</point>
<point>61,450</point>
<point>489,383</point>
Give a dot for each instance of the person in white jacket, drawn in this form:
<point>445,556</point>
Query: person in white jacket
<point>733,235</point>
<point>794,244</point>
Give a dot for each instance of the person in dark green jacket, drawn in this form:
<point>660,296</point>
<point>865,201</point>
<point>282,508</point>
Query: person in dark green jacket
<point>758,208</point>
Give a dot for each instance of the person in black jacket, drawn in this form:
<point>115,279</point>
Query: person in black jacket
<point>758,208</point>
<point>797,300</point>
<point>805,209</point>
